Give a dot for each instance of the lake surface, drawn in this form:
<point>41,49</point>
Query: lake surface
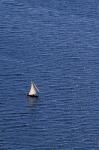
<point>56,44</point>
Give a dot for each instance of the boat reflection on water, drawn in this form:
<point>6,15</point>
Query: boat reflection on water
<point>32,101</point>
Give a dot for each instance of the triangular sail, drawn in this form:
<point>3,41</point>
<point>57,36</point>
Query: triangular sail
<point>32,90</point>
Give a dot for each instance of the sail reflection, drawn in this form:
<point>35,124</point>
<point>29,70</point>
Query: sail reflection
<point>32,101</point>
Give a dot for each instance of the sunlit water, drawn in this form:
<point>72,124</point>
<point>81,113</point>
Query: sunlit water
<point>56,44</point>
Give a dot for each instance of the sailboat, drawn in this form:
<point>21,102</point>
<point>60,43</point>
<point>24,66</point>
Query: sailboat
<point>33,90</point>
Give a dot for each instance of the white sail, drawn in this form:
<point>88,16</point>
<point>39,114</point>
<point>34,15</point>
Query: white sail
<point>32,90</point>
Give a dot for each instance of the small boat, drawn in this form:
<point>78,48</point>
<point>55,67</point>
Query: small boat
<point>33,90</point>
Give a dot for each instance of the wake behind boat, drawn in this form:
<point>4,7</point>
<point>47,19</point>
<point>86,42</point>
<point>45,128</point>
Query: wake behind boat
<point>33,90</point>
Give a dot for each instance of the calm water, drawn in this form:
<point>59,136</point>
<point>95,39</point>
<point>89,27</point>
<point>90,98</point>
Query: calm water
<point>56,44</point>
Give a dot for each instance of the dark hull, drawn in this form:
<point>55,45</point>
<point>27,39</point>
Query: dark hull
<point>32,95</point>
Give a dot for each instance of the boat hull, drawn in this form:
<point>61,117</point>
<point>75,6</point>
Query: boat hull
<point>32,95</point>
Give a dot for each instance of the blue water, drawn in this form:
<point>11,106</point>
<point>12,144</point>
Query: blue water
<point>56,44</point>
